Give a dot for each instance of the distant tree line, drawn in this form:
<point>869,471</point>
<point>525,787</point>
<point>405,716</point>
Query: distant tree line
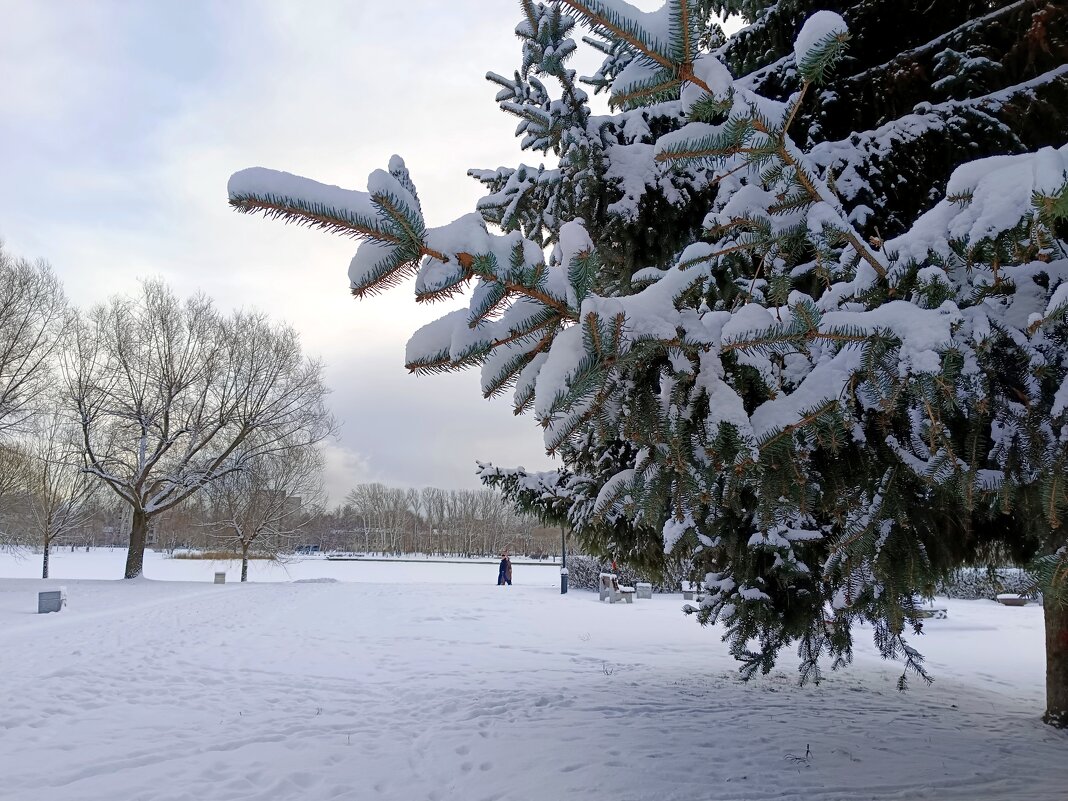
<point>381,519</point>
<point>374,519</point>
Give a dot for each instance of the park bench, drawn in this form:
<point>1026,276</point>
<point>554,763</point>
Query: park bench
<point>612,591</point>
<point>937,614</point>
<point>929,610</point>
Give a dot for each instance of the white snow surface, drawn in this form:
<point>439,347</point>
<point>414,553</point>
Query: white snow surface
<point>817,28</point>
<point>427,681</point>
<point>1000,189</point>
<point>260,182</point>
<point>713,74</point>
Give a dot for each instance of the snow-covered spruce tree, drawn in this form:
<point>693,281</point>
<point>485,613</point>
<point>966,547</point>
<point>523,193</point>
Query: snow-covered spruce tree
<point>722,341</point>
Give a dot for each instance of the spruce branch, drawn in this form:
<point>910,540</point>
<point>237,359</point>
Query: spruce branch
<point>772,440</point>
<point>686,71</point>
<point>817,195</point>
<point>600,17</point>
<point>312,216</point>
<point>640,94</point>
<point>545,299</point>
<point>796,105</point>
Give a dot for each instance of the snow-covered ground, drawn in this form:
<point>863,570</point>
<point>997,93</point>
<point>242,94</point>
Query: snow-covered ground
<point>409,681</point>
<point>105,563</point>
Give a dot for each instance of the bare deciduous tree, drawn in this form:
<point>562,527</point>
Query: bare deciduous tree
<point>33,316</point>
<point>173,395</point>
<point>262,505</point>
<point>432,504</point>
<point>15,477</point>
<point>61,491</point>
<point>385,515</point>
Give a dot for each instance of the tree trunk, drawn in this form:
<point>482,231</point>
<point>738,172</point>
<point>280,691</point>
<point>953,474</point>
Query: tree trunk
<point>1056,616</point>
<point>135,556</point>
<point>44,564</point>
<point>244,562</point>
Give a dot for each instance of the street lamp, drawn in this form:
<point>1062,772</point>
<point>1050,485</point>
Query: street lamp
<point>563,561</point>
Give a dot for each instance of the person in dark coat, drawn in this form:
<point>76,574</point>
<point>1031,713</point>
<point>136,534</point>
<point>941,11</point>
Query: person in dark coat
<point>504,573</point>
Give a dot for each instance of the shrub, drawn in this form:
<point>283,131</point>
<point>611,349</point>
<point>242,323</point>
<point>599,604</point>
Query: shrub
<point>973,583</point>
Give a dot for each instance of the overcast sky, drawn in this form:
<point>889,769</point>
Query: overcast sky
<point>121,121</point>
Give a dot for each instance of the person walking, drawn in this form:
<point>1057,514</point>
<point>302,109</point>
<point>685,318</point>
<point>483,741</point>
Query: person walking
<point>504,573</point>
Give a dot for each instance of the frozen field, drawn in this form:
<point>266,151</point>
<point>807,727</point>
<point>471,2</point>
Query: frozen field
<point>414,681</point>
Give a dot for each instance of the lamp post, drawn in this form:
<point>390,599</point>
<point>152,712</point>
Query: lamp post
<point>563,561</point>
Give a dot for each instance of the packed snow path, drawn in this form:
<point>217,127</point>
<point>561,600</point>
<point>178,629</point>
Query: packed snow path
<point>182,691</point>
